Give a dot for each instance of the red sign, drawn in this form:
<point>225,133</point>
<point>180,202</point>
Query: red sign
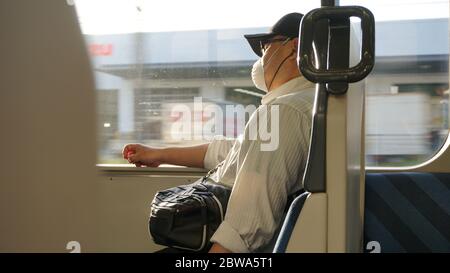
<point>100,49</point>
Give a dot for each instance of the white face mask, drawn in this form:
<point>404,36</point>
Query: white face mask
<point>258,76</point>
<point>258,71</point>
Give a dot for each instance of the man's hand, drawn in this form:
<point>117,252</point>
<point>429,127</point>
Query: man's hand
<point>141,155</point>
<point>217,248</point>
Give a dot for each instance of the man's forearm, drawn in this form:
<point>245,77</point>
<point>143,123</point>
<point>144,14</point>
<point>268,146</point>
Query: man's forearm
<point>186,156</point>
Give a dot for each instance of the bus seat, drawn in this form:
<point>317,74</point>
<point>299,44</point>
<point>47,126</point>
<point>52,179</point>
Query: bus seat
<point>328,217</point>
<point>408,212</point>
<point>289,223</point>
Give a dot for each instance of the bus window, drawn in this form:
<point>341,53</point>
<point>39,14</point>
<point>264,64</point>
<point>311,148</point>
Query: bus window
<point>150,59</point>
<point>407,93</point>
<point>153,63</point>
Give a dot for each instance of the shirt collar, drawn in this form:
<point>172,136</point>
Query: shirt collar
<point>296,84</point>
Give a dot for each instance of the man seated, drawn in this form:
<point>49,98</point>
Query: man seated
<point>262,177</point>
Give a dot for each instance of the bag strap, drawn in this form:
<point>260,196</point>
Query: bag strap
<point>212,171</point>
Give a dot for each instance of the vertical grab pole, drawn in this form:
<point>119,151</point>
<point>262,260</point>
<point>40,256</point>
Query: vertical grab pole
<point>314,177</point>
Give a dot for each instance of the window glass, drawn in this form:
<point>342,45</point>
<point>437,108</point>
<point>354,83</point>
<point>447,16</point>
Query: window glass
<point>150,57</point>
<point>407,91</point>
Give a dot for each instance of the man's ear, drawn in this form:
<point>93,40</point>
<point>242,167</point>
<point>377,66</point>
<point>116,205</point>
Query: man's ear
<point>295,44</point>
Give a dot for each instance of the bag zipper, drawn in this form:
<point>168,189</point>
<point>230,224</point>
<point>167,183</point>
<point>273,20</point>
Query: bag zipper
<point>204,230</point>
<point>219,204</point>
<point>204,226</point>
<point>194,249</point>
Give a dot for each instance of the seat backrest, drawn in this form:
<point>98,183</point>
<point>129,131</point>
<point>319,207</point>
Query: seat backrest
<point>289,223</point>
<point>407,212</point>
<point>329,218</point>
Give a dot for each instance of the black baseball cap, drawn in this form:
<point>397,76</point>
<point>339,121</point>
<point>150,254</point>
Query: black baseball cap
<point>287,26</point>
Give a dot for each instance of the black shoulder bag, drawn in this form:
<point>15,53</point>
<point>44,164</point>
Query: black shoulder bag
<point>187,216</point>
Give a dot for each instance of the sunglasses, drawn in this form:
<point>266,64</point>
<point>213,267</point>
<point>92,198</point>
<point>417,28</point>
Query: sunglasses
<point>265,43</point>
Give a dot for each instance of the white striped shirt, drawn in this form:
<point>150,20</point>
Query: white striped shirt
<point>262,180</point>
